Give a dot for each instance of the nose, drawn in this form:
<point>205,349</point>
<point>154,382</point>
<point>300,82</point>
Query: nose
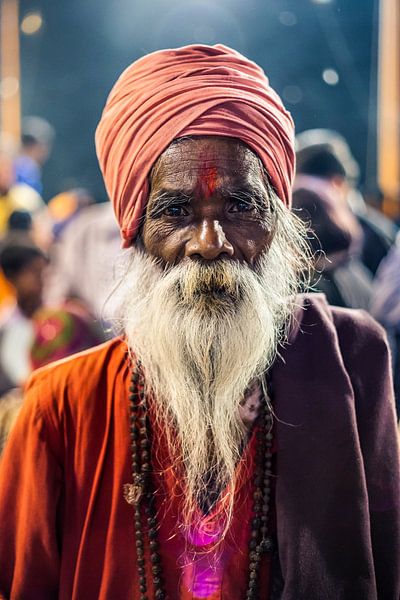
<point>208,241</point>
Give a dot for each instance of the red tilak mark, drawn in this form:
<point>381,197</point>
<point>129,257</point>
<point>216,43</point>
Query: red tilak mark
<point>207,181</point>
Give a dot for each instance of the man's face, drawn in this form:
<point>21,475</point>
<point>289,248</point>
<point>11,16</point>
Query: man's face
<point>208,200</point>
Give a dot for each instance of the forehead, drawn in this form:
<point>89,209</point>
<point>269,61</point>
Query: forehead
<point>186,162</point>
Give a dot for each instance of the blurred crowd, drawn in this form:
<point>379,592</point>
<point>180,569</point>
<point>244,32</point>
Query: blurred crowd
<point>357,248</point>
<point>57,259</point>
<point>56,268</point>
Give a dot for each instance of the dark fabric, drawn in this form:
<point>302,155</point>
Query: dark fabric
<point>67,532</point>
<point>379,236</point>
<point>337,493</point>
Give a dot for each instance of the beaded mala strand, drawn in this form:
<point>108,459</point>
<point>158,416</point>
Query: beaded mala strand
<point>140,495</point>
<point>260,541</point>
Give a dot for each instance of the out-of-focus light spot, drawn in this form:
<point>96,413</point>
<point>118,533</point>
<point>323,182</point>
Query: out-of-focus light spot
<point>292,94</point>
<point>204,35</point>
<point>330,76</point>
<point>9,86</point>
<point>31,23</point>
<point>321,1</point>
<point>49,331</point>
<point>287,18</point>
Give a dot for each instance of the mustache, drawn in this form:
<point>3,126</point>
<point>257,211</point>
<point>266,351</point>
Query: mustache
<point>218,283</point>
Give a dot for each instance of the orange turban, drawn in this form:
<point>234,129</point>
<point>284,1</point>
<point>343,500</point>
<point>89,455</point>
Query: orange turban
<point>194,90</point>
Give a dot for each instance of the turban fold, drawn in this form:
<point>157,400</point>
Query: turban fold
<point>194,90</point>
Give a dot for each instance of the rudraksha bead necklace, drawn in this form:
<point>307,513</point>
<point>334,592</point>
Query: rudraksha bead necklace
<point>141,495</point>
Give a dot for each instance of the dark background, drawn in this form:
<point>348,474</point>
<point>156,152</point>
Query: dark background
<point>69,67</point>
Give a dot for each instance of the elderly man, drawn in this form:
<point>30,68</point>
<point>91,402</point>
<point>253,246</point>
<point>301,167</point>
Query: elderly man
<point>239,441</point>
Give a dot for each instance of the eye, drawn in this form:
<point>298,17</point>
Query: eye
<point>241,206</point>
<point>175,211</point>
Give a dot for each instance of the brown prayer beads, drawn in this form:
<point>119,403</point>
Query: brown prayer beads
<point>141,461</point>
<point>141,495</point>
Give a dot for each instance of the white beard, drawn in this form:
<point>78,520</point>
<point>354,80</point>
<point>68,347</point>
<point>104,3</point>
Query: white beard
<point>203,334</point>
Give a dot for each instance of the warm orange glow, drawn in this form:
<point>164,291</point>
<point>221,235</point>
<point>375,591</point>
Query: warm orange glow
<point>10,111</point>
<point>389,106</point>
<point>31,23</point>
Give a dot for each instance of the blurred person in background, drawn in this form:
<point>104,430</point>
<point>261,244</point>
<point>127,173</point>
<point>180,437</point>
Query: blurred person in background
<point>57,333</point>
<point>20,197</point>
<point>36,142</point>
<point>14,196</point>
<point>83,259</point>
<point>23,264</point>
<point>238,441</point>
<point>326,167</point>
<point>65,207</point>
<point>19,229</point>
<point>337,236</point>
<point>385,307</point>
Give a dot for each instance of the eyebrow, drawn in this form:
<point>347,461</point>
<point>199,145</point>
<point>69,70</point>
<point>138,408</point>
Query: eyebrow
<point>251,194</point>
<point>165,198</point>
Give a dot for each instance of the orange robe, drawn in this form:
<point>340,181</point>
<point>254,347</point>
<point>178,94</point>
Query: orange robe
<point>70,532</point>
<point>66,532</point>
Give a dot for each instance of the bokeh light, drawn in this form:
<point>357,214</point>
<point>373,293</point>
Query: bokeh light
<point>31,23</point>
<point>287,18</point>
<point>292,94</point>
<point>330,76</point>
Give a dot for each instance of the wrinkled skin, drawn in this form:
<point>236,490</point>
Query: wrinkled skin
<point>208,200</point>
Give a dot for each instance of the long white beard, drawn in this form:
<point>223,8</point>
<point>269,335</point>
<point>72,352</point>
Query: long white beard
<point>204,333</point>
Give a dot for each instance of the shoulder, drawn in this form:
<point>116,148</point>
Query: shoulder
<point>72,395</point>
<point>353,336</point>
<point>78,376</point>
<point>353,326</point>
<point>337,351</point>
<point>358,342</point>
<point>357,329</point>
<point>365,353</point>
<point>91,362</point>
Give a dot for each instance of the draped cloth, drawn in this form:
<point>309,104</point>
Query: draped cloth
<point>68,533</point>
<point>194,90</point>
